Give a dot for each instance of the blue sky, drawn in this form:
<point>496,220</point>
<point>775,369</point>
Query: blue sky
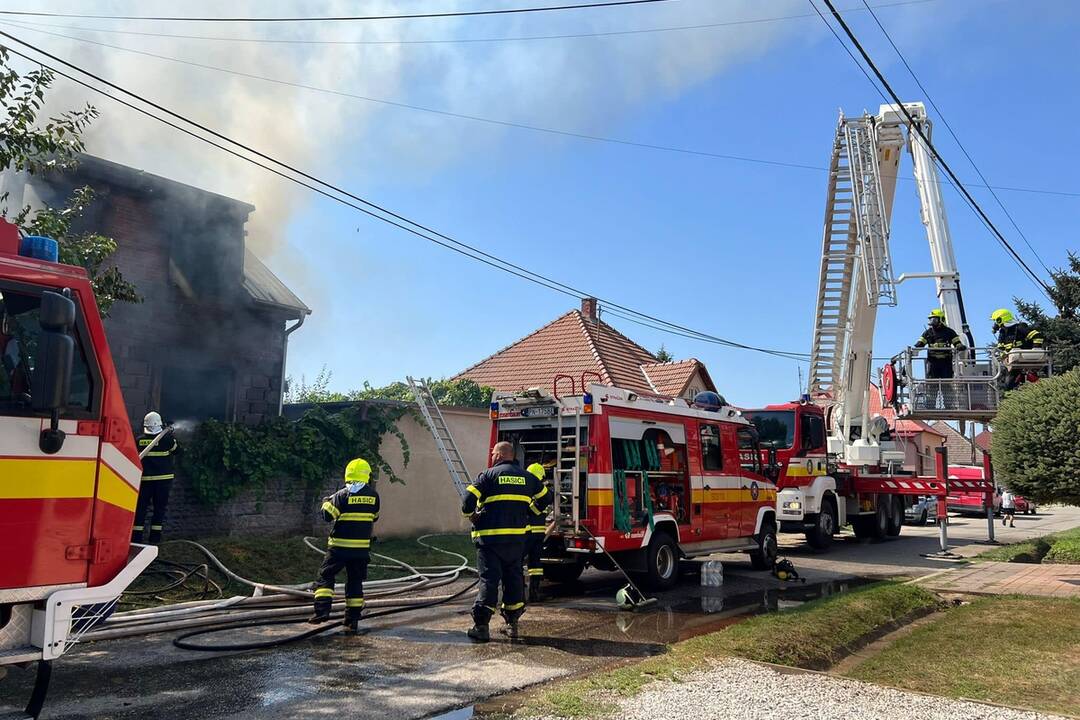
<point>730,248</point>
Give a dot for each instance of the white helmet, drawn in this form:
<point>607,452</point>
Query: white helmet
<point>152,423</point>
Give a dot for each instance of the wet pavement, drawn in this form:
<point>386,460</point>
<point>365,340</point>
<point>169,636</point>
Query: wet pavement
<point>420,664</point>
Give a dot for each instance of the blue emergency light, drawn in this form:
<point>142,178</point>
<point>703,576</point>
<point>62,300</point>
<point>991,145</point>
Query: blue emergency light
<point>494,412</point>
<point>39,248</point>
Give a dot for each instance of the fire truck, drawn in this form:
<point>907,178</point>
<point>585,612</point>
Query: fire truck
<point>640,480</point>
<point>69,467</point>
<point>834,463</point>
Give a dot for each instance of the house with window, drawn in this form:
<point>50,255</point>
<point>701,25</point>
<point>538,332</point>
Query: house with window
<point>917,438</point>
<point>210,337</point>
<point>579,342</point>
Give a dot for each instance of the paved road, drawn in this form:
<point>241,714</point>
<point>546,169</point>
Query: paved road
<point>419,664</point>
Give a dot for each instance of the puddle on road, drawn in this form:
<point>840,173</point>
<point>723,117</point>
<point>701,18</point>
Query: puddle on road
<point>688,612</point>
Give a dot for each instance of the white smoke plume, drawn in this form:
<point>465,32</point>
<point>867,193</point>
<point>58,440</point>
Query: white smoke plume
<point>579,85</point>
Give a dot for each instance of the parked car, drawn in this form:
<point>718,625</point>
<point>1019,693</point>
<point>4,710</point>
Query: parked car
<point>922,510</point>
<point>968,503</point>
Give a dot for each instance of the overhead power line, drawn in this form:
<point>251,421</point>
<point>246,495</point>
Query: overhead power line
<point>442,41</point>
<point>373,210</point>
<point>481,119</point>
<point>342,18</point>
<point>941,116</point>
<point>934,151</point>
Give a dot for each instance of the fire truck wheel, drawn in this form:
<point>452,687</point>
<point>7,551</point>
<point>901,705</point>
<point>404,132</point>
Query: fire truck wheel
<point>895,506</point>
<point>882,513</point>
<point>821,535</point>
<point>864,526</point>
<point>662,562</point>
<point>765,556</point>
<point>564,573</point>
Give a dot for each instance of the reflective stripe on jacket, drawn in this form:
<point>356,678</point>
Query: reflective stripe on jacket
<point>354,516</point>
<point>507,499</point>
<point>158,463</point>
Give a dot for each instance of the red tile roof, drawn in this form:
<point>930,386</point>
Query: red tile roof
<point>673,378</point>
<point>958,445</point>
<point>900,427</point>
<point>982,440</point>
<point>569,344</point>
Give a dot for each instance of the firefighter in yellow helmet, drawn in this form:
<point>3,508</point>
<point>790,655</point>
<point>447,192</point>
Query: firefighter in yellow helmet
<point>534,541</point>
<point>353,511</point>
<point>943,342</point>
<point>1014,335</point>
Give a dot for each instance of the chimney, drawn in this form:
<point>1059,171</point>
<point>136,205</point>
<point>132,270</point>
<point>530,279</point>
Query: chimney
<point>588,308</point>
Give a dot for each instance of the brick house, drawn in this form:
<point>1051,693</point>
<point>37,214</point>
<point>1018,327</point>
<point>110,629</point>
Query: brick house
<point>210,338</point>
<point>578,342</point>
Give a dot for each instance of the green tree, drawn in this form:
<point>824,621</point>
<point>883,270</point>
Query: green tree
<point>461,393</point>
<point>662,355</point>
<point>1035,450</point>
<point>1062,332</point>
<point>317,391</point>
<point>28,146</point>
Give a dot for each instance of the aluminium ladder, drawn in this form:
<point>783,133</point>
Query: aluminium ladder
<point>440,431</point>
<point>567,474</point>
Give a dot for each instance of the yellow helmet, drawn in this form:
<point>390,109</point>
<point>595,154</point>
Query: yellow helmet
<point>538,470</point>
<point>357,471</point>
<point>1001,316</point>
<point>936,313</point>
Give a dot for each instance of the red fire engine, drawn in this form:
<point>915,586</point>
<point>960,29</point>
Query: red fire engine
<point>69,468</point>
<point>646,479</point>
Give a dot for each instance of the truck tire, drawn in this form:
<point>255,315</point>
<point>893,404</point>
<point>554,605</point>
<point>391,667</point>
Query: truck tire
<point>882,512</point>
<point>564,572</point>
<point>820,536</point>
<point>662,562</point>
<point>764,557</point>
<point>895,507</point>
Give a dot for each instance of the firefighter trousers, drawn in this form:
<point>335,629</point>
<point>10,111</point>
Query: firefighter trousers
<point>534,545</point>
<point>156,493</point>
<point>499,565</point>
<point>355,566</point>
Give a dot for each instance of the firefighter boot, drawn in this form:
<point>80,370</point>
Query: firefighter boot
<point>352,621</point>
<point>512,631</point>
<point>479,631</point>
<point>534,589</point>
<point>324,597</point>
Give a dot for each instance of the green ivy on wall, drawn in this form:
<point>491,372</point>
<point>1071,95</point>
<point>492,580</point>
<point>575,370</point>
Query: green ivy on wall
<point>222,459</point>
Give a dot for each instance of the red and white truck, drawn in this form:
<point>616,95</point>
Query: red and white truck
<point>69,468</point>
<point>647,479</point>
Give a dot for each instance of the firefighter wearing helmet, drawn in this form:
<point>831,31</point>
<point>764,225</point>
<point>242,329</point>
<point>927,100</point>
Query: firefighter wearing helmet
<point>942,342</point>
<point>157,477</point>
<point>353,511</point>
<point>1014,335</point>
<point>534,540</point>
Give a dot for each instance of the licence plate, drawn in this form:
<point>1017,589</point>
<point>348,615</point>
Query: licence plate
<point>546,411</point>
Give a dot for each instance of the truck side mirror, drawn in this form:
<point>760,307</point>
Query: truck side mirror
<point>50,384</point>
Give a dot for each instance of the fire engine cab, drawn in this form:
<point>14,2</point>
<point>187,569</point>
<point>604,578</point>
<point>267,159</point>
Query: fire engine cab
<point>69,468</point>
<point>646,479</point>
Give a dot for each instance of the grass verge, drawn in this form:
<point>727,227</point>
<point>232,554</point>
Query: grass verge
<point>1063,547</point>
<point>275,560</point>
<point>1021,651</point>
<point>816,635</point>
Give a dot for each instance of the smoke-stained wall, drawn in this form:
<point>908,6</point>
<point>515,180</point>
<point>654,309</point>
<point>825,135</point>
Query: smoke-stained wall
<point>198,346</point>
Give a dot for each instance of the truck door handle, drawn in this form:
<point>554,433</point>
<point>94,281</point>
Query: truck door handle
<point>708,488</point>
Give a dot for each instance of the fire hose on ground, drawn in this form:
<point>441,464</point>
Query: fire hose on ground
<point>282,605</point>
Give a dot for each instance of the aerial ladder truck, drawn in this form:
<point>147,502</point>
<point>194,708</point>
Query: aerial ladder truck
<point>836,462</point>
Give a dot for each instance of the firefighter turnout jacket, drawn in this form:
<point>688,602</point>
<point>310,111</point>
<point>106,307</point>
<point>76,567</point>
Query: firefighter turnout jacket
<point>353,515</point>
<point>942,340</point>
<point>158,463</point>
<point>1019,336</point>
<point>508,500</point>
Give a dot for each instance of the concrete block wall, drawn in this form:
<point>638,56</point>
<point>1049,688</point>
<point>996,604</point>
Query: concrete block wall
<point>426,502</point>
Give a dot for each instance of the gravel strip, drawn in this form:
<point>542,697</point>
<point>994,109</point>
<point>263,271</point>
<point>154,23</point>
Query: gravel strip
<point>747,691</point>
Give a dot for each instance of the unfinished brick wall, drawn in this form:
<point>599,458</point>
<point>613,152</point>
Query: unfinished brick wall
<point>224,334</point>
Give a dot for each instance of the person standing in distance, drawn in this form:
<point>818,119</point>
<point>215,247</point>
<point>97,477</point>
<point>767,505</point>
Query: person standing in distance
<point>501,503</point>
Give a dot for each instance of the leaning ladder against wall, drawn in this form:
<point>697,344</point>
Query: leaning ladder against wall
<point>444,441</point>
